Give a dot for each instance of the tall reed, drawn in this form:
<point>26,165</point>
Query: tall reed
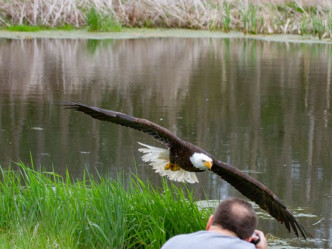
<point>275,16</point>
<point>45,210</point>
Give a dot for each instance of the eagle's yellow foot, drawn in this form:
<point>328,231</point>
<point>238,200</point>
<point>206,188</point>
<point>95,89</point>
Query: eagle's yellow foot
<point>172,167</point>
<point>175,167</point>
<point>168,166</point>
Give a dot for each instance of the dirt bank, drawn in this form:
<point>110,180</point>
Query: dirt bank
<point>154,33</point>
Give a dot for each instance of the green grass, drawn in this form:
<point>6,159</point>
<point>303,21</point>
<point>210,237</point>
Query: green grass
<point>97,21</point>
<point>253,19</point>
<point>318,27</point>
<point>227,19</point>
<point>23,28</point>
<point>44,210</point>
<point>245,19</point>
<point>29,28</point>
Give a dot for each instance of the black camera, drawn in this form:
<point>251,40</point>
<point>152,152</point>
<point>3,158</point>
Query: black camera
<point>255,242</point>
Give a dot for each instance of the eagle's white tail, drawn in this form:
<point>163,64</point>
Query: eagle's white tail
<point>158,158</point>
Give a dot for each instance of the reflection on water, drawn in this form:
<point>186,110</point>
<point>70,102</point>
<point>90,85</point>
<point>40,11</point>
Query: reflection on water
<point>262,106</point>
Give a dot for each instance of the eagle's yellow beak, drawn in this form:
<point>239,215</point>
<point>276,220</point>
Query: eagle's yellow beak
<point>208,164</point>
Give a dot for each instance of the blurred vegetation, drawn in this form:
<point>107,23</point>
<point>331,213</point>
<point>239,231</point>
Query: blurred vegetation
<point>254,17</point>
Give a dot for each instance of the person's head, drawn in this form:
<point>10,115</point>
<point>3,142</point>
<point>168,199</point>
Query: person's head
<point>237,216</point>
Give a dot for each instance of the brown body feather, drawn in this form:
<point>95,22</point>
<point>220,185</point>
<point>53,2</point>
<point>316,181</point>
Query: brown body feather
<point>180,152</point>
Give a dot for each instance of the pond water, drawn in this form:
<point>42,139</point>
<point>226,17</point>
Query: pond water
<point>264,107</point>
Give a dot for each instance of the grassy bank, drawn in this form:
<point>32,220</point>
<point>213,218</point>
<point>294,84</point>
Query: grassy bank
<point>251,16</point>
<point>44,210</point>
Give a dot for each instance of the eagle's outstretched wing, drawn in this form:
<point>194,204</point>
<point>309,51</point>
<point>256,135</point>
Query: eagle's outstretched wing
<point>248,186</point>
<point>261,195</point>
<point>158,132</point>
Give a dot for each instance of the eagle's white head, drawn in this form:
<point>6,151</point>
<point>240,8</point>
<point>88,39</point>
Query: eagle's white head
<point>201,161</point>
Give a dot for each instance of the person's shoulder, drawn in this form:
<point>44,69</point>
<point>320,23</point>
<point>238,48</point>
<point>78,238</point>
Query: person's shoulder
<point>178,240</point>
<point>226,241</point>
<point>235,242</point>
<point>185,235</point>
<point>201,239</point>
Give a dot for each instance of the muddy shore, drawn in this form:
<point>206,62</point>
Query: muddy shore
<point>155,33</point>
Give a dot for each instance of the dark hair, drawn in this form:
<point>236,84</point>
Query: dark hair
<point>236,215</point>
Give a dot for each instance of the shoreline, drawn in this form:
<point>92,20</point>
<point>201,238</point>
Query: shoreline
<point>158,33</point>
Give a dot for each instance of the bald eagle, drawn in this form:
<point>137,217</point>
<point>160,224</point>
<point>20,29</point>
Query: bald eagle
<point>181,160</point>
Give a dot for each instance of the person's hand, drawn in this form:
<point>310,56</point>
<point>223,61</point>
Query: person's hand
<point>259,240</point>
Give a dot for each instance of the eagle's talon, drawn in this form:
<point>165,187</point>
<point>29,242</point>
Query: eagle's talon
<point>172,167</point>
<point>175,167</point>
<point>168,166</point>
